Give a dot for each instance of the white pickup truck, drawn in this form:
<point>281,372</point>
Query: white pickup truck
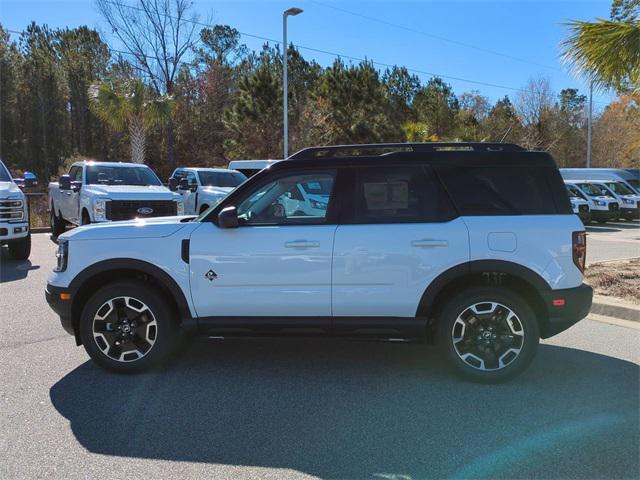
<point>202,188</point>
<point>109,191</point>
<point>14,214</point>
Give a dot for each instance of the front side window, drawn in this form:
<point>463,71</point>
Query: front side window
<point>399,195</point>
<point>107,175</point>
<point>635,183</point>
<point>286,201</point>
<point>574,192</point>
<point>4,173</point>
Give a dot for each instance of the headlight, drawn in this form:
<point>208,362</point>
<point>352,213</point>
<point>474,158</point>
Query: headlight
<point>180,208</point>
<point>626,200</point>
<point>318,205</point>
<point>99,210</point>
<point>600,203</point>
<point>62,255</point>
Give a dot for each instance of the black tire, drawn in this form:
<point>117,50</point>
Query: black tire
<point>57,224</point>
<point>86,219</point>
<point>449,326</point>
<point>20,249</point>
<point>162,339</point>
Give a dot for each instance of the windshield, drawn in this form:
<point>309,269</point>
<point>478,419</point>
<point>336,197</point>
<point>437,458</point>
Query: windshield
<point>593,190</point>
<point>4,173</point>
<point>635,183</point>
<point>574,192</point>
<point>619,188</point>
<point>221,179</point>
<point>106,175</point>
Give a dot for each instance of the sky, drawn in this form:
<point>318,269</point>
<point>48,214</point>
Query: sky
<point>500,44</point>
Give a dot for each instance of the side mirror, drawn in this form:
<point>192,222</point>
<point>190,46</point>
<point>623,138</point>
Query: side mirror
<point>76,186</point>
<point>228,218</point>
<point>184,184</point>
<point>193,187</point>
<point>65,182</point>
<point>30,180</point>
<point>173,184</point>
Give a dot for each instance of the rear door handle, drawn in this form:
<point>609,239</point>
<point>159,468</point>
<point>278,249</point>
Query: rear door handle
<point>301,244</point>
<point>429,243</point>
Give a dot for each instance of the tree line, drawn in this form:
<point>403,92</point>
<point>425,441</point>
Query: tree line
<point>222,101</point>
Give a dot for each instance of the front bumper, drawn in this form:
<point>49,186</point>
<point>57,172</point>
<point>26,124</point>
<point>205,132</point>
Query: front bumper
<point>61,307</point>
<point>630,212</point>
<point>13,231</point>
<point>604,215</point>
<point>566,307</point>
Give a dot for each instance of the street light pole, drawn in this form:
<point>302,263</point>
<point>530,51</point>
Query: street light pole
<point>285,84</point>
<point>589,127</point>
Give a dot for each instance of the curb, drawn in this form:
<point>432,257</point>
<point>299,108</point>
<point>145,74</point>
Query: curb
<point>615,308</point>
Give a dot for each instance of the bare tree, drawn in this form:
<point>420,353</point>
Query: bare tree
<point>533,105</point>
<point>158,34</point>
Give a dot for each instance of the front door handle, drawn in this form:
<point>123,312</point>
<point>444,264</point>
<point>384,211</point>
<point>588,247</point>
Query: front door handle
<point>429,243</point>
<point>301,244</point>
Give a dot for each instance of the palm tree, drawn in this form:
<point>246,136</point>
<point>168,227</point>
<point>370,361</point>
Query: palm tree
<point>130,107</point>
<point>606,52</point>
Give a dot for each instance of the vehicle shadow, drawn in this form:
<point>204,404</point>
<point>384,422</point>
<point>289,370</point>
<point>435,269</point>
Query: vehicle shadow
<point>337,409</point>
<point>601,229</point>
<point>12,270</point>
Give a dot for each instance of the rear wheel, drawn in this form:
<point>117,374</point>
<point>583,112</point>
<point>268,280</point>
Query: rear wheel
<point>20,249</point>
<point>128,327</point>
<point>488,334</point>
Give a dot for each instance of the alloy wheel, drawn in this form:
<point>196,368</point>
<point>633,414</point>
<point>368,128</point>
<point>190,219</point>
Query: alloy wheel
<point>124,329</point>
<point>487,336</point>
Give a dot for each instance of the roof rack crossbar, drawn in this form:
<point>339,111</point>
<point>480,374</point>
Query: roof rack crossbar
<point>315,152</point>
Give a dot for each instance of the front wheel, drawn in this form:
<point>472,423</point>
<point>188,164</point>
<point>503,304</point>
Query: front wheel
<point>20,249</point>
<point>127,327</point>
<point>56,222</point>
<point>488,334</point>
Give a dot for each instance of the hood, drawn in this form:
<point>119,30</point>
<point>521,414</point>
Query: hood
<point>9,188</point>
<point>578,201</point>
<point>141,228</point>
<point>133,192</point>
<point>217,190</point>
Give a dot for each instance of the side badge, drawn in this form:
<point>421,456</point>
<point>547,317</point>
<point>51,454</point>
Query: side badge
<point>211,275</point>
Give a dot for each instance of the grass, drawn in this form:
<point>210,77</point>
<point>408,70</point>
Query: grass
<point>38,210</point>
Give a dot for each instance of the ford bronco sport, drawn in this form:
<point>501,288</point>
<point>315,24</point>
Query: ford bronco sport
<point>473,247</point>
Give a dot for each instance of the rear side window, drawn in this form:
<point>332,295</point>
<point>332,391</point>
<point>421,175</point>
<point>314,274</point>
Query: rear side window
<point>400,195</point>
<point>505,190</point>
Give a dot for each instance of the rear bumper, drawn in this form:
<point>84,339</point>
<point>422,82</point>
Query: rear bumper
<point>576,306</point>
<point>61,307</point>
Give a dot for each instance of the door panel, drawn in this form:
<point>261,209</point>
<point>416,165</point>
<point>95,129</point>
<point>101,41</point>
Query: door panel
<point>383,270</point>
<point>262,270</point>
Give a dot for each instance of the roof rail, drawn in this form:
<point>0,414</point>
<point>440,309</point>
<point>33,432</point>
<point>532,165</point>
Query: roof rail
<point>386,148</point>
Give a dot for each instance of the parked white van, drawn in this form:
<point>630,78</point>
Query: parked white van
<point>630,177</point>
<point>603,207</point>
<point>624,195</point>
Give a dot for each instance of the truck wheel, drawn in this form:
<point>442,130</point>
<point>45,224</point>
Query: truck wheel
<point>20,249</point>
<point>57,224</point>
<point>127,327</point>
<point>488,334</point>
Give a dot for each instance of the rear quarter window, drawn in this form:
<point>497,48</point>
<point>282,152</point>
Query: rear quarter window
<point>504,190</point>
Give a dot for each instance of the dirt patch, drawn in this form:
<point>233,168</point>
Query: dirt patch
<point>619,279</point>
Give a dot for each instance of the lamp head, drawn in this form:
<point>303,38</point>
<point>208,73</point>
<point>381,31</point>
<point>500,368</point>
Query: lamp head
<point>292,11</point>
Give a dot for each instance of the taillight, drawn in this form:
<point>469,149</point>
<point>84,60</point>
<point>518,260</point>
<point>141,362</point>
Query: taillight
<point>579,248</point>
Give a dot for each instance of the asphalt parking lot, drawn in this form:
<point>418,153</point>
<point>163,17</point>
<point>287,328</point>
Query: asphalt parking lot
<point>302,409</point>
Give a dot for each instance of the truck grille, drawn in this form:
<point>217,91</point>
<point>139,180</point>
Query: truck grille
<point>127,210</point>
<point>11,211</point>
<point>613,207</point>
<point>583,208</point>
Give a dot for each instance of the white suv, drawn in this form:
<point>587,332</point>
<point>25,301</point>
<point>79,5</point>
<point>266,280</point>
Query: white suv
<point>473,247</point>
